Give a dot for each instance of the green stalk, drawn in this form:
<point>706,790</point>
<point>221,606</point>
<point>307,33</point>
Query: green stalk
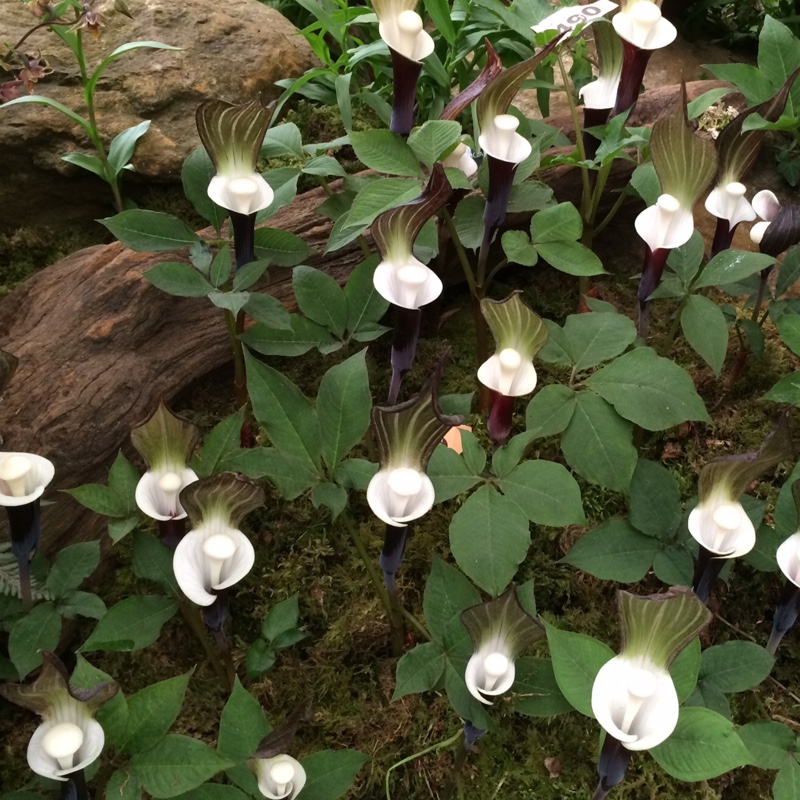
<point>195,622</point>
<point>673,331</point>
<point>601,226</point>
<point>463,258</point>
<point>396,630</point>
<point>432,749</point>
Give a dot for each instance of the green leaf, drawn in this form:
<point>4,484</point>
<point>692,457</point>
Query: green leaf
<point>268,310</point>
<point>196,174</point>
<point>706,330</point>
<point>703,746</point>
<point>572,258</point>
<point>786,390</point>
<point>72,566</point>
<point>355,473</point>
<point>789,329</point>
<point>379,196</point>
<point>364,305</point>
<point>285,412</point>
<point>112,715</point>
<point>98,498</point>
<point>788,272</point>
<point>151,712</point>
<point>685,669</point>
<point>518,248</point>
<point>150,231</point>
<point>331,496</point>
<point>597,443</point>
<point>735,666</point>
<point>260,658</point>
<point>419,670</point>
<point>179,280</point>
<point>646,183</point>
<point>473,453</point>
<point>650,391</point>
<point>152,561</point>
<point>435,137</point>
<point>593,338</point>
<point>330,773</point>
<point>489,539</point>
<point>561,223</point>
<point>301,336</point>
<point>449,474</point>
<point>131,624</point>
<point>385,151</point>
<point>230,301</point>
<point>343,408</point>
<point>655,504</point>
<point>732,266</point>
<point>283,140</point>
<point>550,411</point>
<point>613,551</point>
<point>122,146</point>
<point>320,298</point>
<point>290,474</point>
<point>221,444</point>
<point>39,630</point>
<point>447,594</point>
<point>325,166</point>
<point>283,182</point>
<point>84,604</point>
<point>280,247</point>
<point>778,54</point>
<point>686,259</point>
<point>213,791</point>
<point>787,783</point>
<point>536,689</point>
<point>771,745</point>
<point>46,101</point>
<point>89,163</point>
<point>468,220</point>
<point>123,786</point>
<point>177,765</point>
<point>282,617</point>
<point>576,661</point>
<point>242,725</point>
<point>546,492</point>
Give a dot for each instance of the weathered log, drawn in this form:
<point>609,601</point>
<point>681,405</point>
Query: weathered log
<point>98,346</point>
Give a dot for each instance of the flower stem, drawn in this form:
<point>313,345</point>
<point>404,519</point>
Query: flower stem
<point>235,327</point>
<point>432,749</point>
<point>226,657</point>
<point>460,251</point>
<point>396,629</point>
<point>454,781</point>
<point>195,623</point>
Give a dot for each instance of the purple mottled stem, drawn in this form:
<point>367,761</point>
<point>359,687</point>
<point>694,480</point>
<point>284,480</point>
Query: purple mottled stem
<point>653,269</point>
<point>24,524</point>
<point>471,734</point>
<point>404,347</point>
<point>593,118</point>
<point>501,180</point>
<point>611,767</point>
<point>499,423</point>
<point>391,558</point>
<point>706,573</point>
<point>171,531</point>
<point>74,787</point>
<point>404,102</point>
<point>634,64</point>
<point>723,236</point>
<point>244,227</point>
<point>785,615</point>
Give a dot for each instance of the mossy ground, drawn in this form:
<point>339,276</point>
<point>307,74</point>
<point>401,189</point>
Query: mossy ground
<point>343,669</point>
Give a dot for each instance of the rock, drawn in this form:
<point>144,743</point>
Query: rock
<point>232,51</point>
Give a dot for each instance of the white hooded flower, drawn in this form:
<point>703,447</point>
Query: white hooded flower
<point>400,494</point>
<point>69,741</point>
<point>490,672</point>
<point>729,202</point>
<point>722,527</point>
<point>23,478</point>
<point>158,491</point>
<point>642,24</point>
<point>406,282</point>
<point>279,778</point>
<point>667,224</point>
<point>461,158</point>
<point>500,140</point>
<point>241,190</point>
<point>635,702</point>
<point>766,205</point>
<point>401,28</point>
<point>212,557</point>
<point>788,556</point>
<point>508,373</point>
<point>601,93</point>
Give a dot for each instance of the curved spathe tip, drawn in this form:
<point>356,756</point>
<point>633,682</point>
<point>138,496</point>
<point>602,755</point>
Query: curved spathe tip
<point>600,93</point>
<point>89,751</point>
<point>157,493</point>
<point>244,194</point>
<point>408,283</point>
<point>635,702</point>
<point>195,571</point>
<point>665,225</point>
<point>395,507</point>
<point>500,140</point>
<point>723,528</point>
<point>483,683</point>
<point>642,24</point>
<point>510,381</point>
<point>766,205</point>
<point>729,203</point>
<point>23,478</point>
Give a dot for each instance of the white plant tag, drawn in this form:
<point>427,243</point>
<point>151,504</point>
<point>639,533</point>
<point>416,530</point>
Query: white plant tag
<point>569,17</point>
